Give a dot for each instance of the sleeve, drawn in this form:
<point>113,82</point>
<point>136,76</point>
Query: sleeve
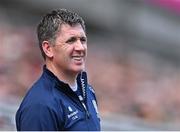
<point>38,118</point>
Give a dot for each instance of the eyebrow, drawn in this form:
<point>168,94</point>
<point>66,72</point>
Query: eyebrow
<point>73,38</point>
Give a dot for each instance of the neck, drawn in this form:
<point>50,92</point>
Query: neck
<point>66,77</point>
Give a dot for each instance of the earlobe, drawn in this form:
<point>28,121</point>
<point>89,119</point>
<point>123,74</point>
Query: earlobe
<point>47,49</point>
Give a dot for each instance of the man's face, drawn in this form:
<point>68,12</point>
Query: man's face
<point>70,49</point>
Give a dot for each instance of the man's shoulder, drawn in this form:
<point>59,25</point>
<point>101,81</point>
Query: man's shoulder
<point>40,92</point>
<point>41,86</point>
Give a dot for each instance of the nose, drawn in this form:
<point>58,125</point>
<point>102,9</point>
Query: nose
<point>79,46</point>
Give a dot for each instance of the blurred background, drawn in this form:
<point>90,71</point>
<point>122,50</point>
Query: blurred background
<point>133,59</point>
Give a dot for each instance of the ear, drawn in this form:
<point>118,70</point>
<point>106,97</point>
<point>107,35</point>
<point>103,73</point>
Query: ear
<point>47,49</point>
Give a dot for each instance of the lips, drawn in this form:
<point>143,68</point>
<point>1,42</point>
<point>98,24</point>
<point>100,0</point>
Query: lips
<point>78,58</point>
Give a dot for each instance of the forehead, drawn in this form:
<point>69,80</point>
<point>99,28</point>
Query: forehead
<point>68,30</point>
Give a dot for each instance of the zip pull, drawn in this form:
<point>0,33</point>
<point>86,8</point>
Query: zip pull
<point>87,112</point>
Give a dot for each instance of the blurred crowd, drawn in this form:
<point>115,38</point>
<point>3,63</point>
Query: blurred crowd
<point>19,60</point>
<point>137,85</point>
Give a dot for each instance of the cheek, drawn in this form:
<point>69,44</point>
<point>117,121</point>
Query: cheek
<point>69,51</point>
<point>59,55</point>
<point>85,48</point>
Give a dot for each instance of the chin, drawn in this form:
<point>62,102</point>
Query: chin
<point>78,69</point>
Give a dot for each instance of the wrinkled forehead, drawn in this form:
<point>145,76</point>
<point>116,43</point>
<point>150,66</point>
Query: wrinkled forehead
<point>71,30</point>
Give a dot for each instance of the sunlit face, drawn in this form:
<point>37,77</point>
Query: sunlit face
<point>70,49</point>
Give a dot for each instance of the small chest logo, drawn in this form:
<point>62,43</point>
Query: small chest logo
<point>73,114</point>
<point>70,109</point>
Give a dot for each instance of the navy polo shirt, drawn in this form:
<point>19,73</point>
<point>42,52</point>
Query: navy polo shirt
<point>50,104</point>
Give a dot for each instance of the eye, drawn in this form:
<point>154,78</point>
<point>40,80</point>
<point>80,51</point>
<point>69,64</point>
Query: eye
<point>71,40</point>
<point>83,40</point>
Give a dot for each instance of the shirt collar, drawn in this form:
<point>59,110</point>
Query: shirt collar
<point>81,80</point>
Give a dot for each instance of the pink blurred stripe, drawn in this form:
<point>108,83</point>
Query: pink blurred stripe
<point>173,5</point>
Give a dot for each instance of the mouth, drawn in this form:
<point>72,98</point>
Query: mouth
<point>78,58</point>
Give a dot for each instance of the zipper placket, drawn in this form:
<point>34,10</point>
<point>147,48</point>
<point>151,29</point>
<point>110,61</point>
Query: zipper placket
<point>86,110</point>
<point>84,97</point>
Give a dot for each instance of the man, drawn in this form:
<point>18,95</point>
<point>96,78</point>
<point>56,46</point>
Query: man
<point>61,99</point>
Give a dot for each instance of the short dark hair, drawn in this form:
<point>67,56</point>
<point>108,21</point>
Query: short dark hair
<point>51,22</point>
